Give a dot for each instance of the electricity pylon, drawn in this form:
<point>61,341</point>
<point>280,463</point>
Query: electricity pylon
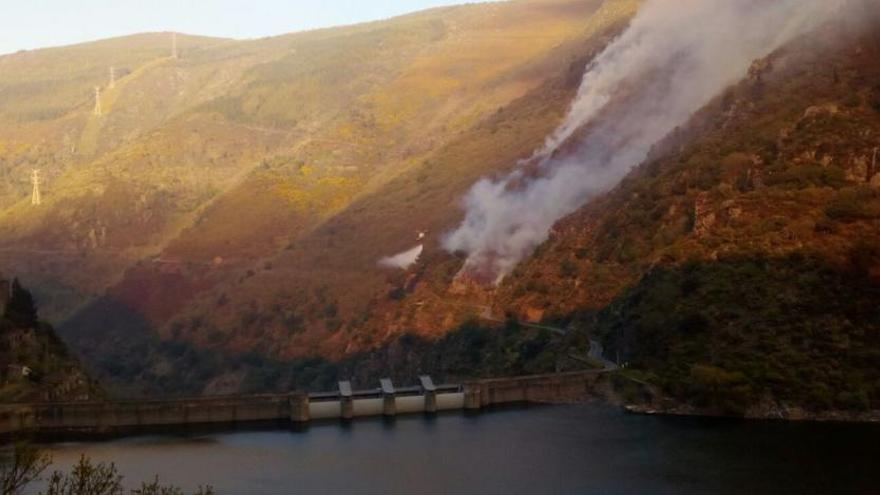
<point>35,196</point>
<point>97,101</point>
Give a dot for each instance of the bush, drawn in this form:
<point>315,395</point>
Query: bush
<point>24,466</point>
<point>567,269</point>
<point>811,175</point>
<point>825,225</point>
<point>693,323</point>
<point>853,203</point>
<point>27,464</point>
<point>21,308</point>
<point>854,401</point>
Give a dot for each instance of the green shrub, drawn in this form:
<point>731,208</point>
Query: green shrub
<point>810,175</point>
<point>853,203</point>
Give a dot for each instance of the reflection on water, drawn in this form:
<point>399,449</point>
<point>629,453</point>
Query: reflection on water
<point>559,449</point>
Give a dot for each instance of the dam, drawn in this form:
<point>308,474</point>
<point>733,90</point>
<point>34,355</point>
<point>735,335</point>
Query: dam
<point>109,417</point>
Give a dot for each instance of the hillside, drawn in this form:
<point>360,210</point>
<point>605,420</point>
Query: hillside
<point>738,267</point>
<point>219,227</point>
<point>35,365</point>
<point>212,179</point>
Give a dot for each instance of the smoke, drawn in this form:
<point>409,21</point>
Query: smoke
<point>675,56</point>
<point>402,260</point>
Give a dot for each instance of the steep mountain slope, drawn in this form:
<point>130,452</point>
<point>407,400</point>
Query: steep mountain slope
<point>213,179</point>
<point>782,162</point>
<point>738,267</point>
<point>229,238</point>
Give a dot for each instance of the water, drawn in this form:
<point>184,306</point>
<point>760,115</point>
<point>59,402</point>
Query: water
<point>535,450</point>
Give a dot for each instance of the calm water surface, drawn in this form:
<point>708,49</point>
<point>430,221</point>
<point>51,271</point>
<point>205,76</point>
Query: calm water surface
<point>535,450</point>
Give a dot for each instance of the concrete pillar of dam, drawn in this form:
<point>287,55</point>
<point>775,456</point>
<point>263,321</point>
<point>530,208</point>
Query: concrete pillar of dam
<point>430,391</point>
<point>299,407</point>
<point>345,400</point>
<point>472,396</point>
<point>389,407</point>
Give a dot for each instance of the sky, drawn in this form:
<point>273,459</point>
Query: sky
<point>28,24</point>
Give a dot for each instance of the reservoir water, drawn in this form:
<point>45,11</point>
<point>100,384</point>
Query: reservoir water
<point>534,450</point>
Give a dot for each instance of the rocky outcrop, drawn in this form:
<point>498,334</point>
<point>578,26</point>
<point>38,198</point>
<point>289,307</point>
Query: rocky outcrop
<point>704,215</point>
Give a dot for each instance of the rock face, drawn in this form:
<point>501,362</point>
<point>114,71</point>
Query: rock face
<point>704,216</point>
<point>821,110</point>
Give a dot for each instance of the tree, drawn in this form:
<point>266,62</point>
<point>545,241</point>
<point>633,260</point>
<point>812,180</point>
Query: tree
<point>154,488</point>
<point>27,463</point>
<point>104,479</point>
<point>21,308</point>
<point>23,467</point>
<point>86,479</point>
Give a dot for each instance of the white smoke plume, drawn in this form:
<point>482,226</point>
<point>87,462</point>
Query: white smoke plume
<point>675,56</point>
<point>402,260</point>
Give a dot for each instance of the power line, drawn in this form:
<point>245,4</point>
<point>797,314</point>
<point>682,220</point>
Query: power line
<point>73,253</point>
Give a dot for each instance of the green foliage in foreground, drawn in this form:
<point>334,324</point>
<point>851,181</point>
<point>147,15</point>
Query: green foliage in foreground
<point>25,465</point>
<point>738,332</point>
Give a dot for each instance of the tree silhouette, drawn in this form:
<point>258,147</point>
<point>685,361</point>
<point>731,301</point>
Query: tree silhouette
<point>21,308</point>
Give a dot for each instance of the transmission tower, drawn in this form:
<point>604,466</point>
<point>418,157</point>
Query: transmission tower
<point>174,45</point>
<point>97,101</point>
<point>35,196</point>
<point>112,78</point>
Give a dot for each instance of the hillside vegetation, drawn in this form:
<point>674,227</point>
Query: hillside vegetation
<point>219,228</point>
<point>236,199</point>
<point>35,365</point>
<point>740,261</point>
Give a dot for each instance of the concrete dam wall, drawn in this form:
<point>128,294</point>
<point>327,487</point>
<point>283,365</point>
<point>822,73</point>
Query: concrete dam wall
<point>104,417</point>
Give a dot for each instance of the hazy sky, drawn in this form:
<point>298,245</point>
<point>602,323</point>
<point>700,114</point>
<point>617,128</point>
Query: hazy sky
<point>26,24</point>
